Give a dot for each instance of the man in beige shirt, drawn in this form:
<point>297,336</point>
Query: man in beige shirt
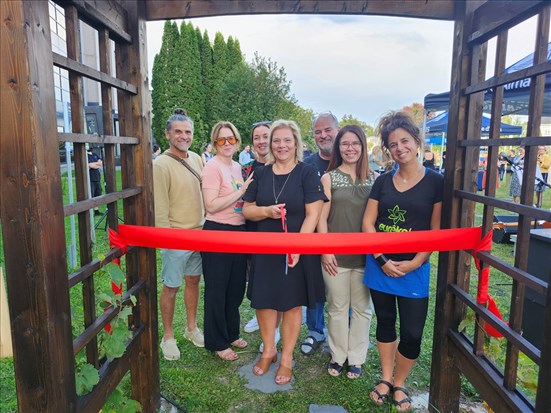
<point>179,204</point>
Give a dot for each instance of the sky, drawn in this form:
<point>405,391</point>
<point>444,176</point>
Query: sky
<point>362,66</point>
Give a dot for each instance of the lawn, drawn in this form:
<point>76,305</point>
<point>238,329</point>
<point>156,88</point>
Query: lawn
<point>201,382</point>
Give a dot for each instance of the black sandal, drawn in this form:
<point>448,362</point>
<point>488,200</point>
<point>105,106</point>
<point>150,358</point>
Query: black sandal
<point>381,398</point>
<point>311,345</point>
<point>333,365</point>
<point>354,372</point>
<point>407,399</point>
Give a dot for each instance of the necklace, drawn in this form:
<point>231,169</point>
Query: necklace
<point>276,197</point>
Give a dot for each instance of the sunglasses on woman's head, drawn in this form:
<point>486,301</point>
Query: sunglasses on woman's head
<point>265,123</point>
<point>230,139</point>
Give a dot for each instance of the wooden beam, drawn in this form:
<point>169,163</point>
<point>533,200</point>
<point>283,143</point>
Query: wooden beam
<point>486,379</point>
<point>86,71</point>
<point>137,166</point>
<point>102,13</point>
<point>177,9</point>
<point>32,212</point>
<point>495,16</point>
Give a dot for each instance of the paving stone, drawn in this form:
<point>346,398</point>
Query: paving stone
<point>265,383</point>
<point>326,408</point>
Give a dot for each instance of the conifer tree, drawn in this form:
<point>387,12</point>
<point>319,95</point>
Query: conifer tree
<point>164,97</point>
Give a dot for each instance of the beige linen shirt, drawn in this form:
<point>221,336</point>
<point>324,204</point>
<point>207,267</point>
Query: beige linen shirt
<point>177,193</point>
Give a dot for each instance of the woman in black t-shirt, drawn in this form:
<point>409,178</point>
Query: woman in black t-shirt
<point>408,198</point>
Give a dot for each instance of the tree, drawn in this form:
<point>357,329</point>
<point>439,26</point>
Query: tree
<point>164,96</point>
<point>416,111</point>
<point>351,120</point>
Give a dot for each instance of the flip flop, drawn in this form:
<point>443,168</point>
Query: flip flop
<point>381,397</point>
<point>311,345</point>
<point>407,399</point>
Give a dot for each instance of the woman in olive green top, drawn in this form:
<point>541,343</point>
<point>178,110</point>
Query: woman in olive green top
<point>347,184</point>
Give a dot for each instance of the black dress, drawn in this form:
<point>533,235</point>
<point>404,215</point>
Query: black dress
<point>269,286</point>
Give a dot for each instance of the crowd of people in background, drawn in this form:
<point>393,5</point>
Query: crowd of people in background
<point>342,187</point>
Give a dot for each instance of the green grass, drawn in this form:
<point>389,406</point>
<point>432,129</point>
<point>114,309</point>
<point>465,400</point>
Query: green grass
<point>201,382</point>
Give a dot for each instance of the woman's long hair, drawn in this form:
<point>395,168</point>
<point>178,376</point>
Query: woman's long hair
<point>362,166</point>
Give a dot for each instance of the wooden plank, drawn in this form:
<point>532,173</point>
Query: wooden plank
<point>528,210</point>
<point>102,139</point>
<point>528,141</point>
<point>110,171</point>
<point>445,381</point>
<point>175,9</point>
<point>106,14</point>
<point>494,17</point>
<point>543,397</point>
<point>32,213</point>
<point>98,325</point>
<point>487,316</point>
<point>486,379</point>
<point>134,120</point>
<point>528,279</point>
<point>111,373</point>
<point>88,270</point>
<point>505,79</point>
<point>72,27</point>
<point>87,204</point>
<point>91,73</point>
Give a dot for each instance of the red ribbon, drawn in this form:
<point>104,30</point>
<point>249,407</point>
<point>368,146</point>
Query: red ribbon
<point>115,241</point>
<point>300,243</point>
<point>315,243</point>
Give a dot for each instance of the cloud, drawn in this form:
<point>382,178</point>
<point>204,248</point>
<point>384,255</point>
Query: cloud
<point>359,65</point>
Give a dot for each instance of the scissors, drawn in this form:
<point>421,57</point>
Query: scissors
<point>288,258</point>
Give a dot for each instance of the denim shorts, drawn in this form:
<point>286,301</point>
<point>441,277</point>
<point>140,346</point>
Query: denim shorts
<point>177,263</point>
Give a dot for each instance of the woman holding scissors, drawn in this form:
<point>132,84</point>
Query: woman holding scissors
<point>285,186</point>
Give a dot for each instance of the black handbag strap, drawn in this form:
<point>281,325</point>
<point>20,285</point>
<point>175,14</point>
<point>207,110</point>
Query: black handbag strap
<point>189,168</point>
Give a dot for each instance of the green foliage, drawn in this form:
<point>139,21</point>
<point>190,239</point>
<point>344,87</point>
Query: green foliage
<point>351,120</point>
<point>119,403</point>
<point>111,344</point>
<point>86,378</point>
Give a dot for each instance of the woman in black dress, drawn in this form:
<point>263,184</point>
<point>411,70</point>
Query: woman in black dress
<point>278,285</point>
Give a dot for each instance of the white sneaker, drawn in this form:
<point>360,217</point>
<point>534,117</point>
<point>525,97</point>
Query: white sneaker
<point>170,349</point>
<point>251,326</point>
<point>277,338</point>
<point>195,336</point>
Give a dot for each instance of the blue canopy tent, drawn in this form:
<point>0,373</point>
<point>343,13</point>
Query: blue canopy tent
<point>516,95</point>
<point>439,125</point>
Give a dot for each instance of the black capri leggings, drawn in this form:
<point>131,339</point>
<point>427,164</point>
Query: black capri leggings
<point>413,313</point>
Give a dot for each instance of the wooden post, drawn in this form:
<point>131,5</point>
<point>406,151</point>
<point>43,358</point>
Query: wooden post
<point>32,212</point>
<point>134,119</point>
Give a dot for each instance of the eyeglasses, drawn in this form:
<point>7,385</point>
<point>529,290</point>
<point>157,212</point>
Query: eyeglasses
<point>355,144</point>
<point>265,123</point>
<point>230,139</point>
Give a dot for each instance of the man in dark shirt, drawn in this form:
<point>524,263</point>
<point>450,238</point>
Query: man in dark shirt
<point>326,127</point>
<point>94,165</point>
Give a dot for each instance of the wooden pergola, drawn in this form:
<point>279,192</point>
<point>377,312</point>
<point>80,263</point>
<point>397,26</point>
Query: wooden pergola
<point>33,213</point>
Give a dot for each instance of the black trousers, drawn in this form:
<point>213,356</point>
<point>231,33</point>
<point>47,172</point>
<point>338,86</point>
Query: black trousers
<point>413,313</point>
<point>224,275</point>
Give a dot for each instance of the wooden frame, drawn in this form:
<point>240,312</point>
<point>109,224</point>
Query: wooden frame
<point>33,212</point>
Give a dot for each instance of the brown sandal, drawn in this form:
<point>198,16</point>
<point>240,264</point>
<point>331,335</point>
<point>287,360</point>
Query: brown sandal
<point>283,375</point>
<point>263,365</point>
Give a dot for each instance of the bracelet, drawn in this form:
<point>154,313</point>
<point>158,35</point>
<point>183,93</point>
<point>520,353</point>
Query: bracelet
<point>381,260</point>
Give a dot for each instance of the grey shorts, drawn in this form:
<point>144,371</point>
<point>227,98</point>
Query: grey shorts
<point>177,263</point>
